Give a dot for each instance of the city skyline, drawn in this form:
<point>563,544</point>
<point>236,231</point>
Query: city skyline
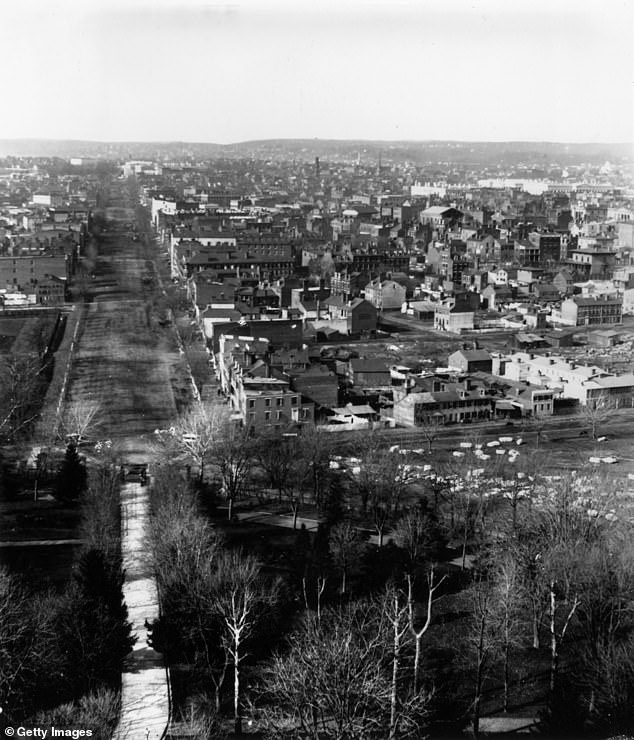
<point>225,73</point>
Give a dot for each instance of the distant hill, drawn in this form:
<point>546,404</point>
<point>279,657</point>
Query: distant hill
<point>441,152</point>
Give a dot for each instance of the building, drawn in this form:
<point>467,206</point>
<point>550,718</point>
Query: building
<point>525,252</point>
<point>441,216</point>
<point>258,400</point>
<point>367,373</point>
<point>317,384</point>
<point>532,400</point>
<point>385,294</point>
<point>549,245</point>
<point>589,385</point>
<point>355,317</point>
<point>26,272</point>
<point>348,284</point>
<point>579,311</point>
<point>592,262</point>
<point>454,315</point>
<point>460,403</point>
<point>269,403</point>
<point>470,361</point>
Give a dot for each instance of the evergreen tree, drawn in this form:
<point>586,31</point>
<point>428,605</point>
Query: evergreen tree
<point>93,623</point>
<point>72,477</point>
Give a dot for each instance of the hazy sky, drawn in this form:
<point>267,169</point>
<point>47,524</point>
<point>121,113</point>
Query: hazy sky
<point>202,70</point>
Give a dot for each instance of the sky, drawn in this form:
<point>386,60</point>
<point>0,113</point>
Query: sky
<point>209,71</point>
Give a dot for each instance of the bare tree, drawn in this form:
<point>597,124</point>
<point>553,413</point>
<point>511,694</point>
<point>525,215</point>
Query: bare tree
<point>17,637</point>
<point>346,548</point>
<point>416,532</point>
<point>332,681</point>
<point>482,640</point>
<point>19,393</point>
<point>286,466</point>
<point>507,591</point>
<point>241,593</point>
<point>396,613</point>
<point>232,456</point>
<point>416,629</point>
<point>429,427</point>
<point>82,420</point>
<point>381,482</point>
<point>597,414</point>
<point>195,435</point>
<point>536,423</point>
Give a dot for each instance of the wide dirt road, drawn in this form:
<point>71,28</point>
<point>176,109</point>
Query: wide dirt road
<point>123,361</point>
<point>129,367</point>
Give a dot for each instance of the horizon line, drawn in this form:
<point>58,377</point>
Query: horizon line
<point>315,139</point>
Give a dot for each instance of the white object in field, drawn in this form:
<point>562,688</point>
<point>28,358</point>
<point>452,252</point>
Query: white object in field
<point>457,453</point>
<point>466,445</point>
<point>594,460</point>
<point>500,452</point>
<point>610,460</point>
<point>519,441</point>
<point>494,443</point>
<point>505,439</point>
<point>393,448</point>
<point>601,439</point>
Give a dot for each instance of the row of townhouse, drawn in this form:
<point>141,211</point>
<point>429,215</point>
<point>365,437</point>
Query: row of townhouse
<point>259,399</point>
<point>589,385</point>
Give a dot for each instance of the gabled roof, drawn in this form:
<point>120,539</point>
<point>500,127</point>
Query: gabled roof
<point>473,355</point>
<point>359,364</point>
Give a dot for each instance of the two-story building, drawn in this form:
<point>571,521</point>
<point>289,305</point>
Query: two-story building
<point>385,294</point>
<point>580,311</point>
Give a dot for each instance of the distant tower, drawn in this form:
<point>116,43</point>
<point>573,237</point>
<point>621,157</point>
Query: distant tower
<point>317,169</point>
<point>378,169</point>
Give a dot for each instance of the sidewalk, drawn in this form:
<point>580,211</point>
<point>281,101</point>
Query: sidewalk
<point>145,705</point>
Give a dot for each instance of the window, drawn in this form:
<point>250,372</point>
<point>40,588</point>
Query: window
<point>304,413</point>
<point>267,402</point>
<point>267,415</point>
<point>251,403</point>
<point>294,401</point>
<point>279,415</point>
<point>251,418</point>
<point>279,401</point>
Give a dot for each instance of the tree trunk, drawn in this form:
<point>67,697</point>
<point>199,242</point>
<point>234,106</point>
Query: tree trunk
<point>417,661</point>
<point>379,532</point>
<point>395,667</point>
<point>343,581</point>
<point>237,719</point>
<point>230,508</point>
<point>554,647</point>
<point>464,547</point>
<point>506,674</point>
<point>536,641</point>
<point>295,507</point>
<point>479,677</point>
<point>321,585</point>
